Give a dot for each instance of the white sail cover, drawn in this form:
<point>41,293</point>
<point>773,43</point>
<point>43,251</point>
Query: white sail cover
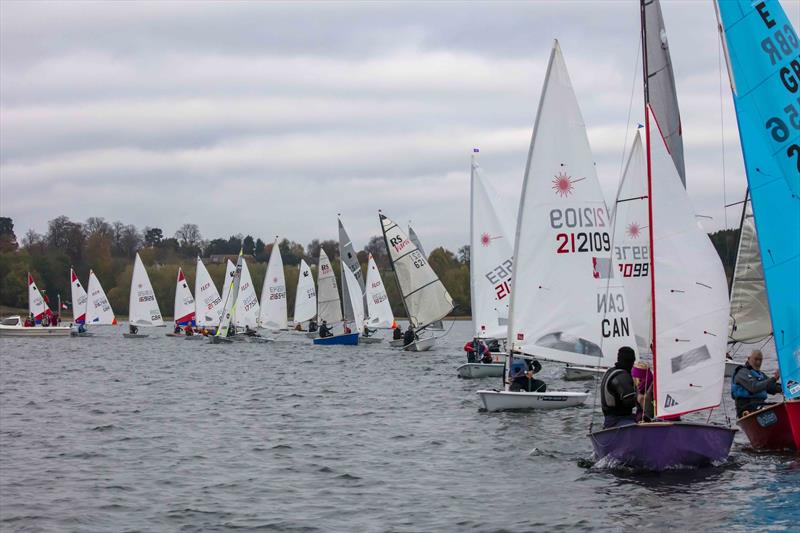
<point>690,305</point>
<point>355,296</point>
<point>229,303</point>
<point>305,299</point>
<point>36,304</point>
<point>142,307</point>
<point>273,313</point>
<point>329,306</point>
<point>567,304</point>
<point>632,243</point>
<point>378,306</point>
<point>247,308</point>
<point>208,303</point>
<point>750,318</point>
<point>79,298</point>
<point>348,256</point>
<point>491,260</point>
<point>98,309</point>
<point>230,271</point>
<point>183,312</point>
<point>425,297</point>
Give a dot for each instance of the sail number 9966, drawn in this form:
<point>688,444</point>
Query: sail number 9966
<point>592,241</point>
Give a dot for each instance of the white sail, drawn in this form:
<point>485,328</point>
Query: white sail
<point>208,303</point>
<point>229,302</point>
<point>183,311</point>
<point>329,306</point>
<point>750,318</point>
<point>632,243</point>
<point>567,304</point>
<point>305,299</point>
<point>79,298</point>
<point>691,305</point>
<point>273,313</point>
<point>491,260</point>
<point>230,270</point>
<point>355,296</point>
<point>98,309</point>
<point>424,295</point>
<point>412,235</point>
<point>378,306</point>
<point>142,307</point>
<point>36,304</point>
<point>247,307</point>
<point>348,256</point>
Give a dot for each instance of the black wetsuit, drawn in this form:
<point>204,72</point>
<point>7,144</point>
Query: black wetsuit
<point>325,331</point>
<point>408,337</point>
<point>618,397</point>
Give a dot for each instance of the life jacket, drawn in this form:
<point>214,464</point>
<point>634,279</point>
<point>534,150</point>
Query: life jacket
<point>608,399</point>
<point>739,392</point>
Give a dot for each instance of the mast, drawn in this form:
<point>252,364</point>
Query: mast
<point>472,291</point>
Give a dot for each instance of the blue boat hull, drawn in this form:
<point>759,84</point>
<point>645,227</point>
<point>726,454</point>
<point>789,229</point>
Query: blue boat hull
<point>348,339</point>
<point>661,446</point>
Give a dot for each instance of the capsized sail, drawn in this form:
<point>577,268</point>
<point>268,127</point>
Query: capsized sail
<point>208,303</point>
<point>305,300</point>
<point>378,307</point>
<point>491,258</point>
<point>762,51</point>
<point>425,298</point>
<point>98,309</point>
<point>273,313</point>
<point>749,307</point>
<point>690,293</point>
<point>229,303</point>
<point>329,305</point>
<point>36,302</point>
<point>632,243</point>
<point>247,308</point>
<point>348,256</point>
<point>183,313</point>
<point>355,296</point>
<point>79,298</point>
<point>660,88</point>
<point>142,307</point>
<point>562,255</point>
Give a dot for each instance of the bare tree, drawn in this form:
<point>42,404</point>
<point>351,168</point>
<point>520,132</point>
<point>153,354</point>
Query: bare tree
<point>189,235</point>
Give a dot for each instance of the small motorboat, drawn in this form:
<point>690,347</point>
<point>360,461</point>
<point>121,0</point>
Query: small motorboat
<point>773,428</point>
<point>345,339</point>
<point>481,370</point>
<point>13,327</point>
<point>497,400</point>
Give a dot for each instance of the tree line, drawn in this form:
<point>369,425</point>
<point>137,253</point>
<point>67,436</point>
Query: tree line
<point>108,248</point>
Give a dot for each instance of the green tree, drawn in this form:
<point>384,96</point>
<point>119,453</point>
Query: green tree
<point>8,240</point>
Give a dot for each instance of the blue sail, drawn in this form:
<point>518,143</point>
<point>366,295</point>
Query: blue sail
<point>764,64</point>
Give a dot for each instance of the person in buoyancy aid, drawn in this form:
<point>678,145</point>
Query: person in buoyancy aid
<point>324,330</point>
<point>133,330</point>
<point>312,325</point>
<point>188,331</point>
<point>521,374</point>
<point>397,333</point>
<point>617,393</point>
<point>750,387</point>
<point>177,329</point>
<point>409,337</point>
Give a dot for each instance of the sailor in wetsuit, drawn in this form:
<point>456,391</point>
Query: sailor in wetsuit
<point>324,330</point>
<point>409,337</point>
<point>618,395</point>
<point>522,376</point>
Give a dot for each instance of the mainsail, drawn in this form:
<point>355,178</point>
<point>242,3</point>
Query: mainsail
<point>230,271</point>
<point>762,52</point>
<point>425,298</point>
<point>142,308</point>
<point>273,293</point>
<point>98,309</point>
<point>229,302</point>
<point>305,299</point>
<point>247,308</point>
<point>690,293</point>
<point>355,297</point>
<point>348,256</point>
<point>36,303</point>
<point>491,260</point>
<point>329,306</point>
<point>208,304</point>
<point>660,90</point>
<point>567,304</point>
<point>79,298</point>
<point>749,307</point>
<point>412,235</point>
<point>183,313</point>
<point>378,307</point>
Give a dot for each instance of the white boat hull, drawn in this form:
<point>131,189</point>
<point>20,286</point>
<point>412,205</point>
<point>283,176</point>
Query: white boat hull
<point>579,373</point>
<point>494,400</point>
<point>481,370</point>
<point>421,345</point>
<point>38,331</point>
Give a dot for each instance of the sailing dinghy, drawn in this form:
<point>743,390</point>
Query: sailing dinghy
<point>436,325</point>
<point>184,308</point>
<point>764,84</point>
<point>247,307</point>
<point>329,305</point>
<point>562,255</point>
<point>98,308</point>
<point>231,292</point>
<point>142,308</point>
<point>424,296</point>
<point>207,301</point>
<point>305,300</point>
<point>273,314</point>
<point>378,307</point>
<point>79,302</point>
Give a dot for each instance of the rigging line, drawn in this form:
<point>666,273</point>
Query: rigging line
<point>630,106</point>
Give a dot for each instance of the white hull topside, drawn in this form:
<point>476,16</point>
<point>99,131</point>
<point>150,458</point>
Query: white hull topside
<point>494,400</point>
<point>421,345</point>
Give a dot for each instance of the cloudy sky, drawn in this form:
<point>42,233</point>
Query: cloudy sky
<point>271,118</point>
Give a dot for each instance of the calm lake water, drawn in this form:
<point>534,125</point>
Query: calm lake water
<point>161,434</point>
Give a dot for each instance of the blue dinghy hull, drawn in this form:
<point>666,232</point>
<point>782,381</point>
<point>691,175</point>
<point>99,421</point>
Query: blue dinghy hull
<point>347,339</point>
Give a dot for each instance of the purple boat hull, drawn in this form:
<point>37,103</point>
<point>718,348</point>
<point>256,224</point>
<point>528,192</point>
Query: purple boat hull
<point>660,446</point>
